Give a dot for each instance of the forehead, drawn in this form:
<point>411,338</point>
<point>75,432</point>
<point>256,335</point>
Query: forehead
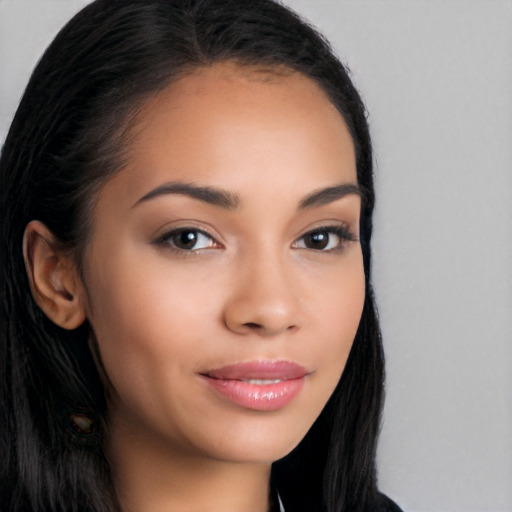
<point>222,123</point>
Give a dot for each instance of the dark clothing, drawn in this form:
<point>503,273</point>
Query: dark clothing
<point>387,505</point>
<point>384,505</point>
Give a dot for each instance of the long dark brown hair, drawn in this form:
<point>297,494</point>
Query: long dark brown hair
<point>68,136</point>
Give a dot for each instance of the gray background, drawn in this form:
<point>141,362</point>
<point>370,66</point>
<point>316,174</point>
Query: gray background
<point>437,79</point>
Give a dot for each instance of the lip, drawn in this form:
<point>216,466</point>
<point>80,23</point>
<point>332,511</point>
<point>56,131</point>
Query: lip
<point>258,385</point>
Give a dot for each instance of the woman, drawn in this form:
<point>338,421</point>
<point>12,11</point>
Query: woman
<point>190,323</point>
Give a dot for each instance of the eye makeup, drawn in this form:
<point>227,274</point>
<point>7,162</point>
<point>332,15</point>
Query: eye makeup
<point>187,239</point>
<point>328,238</point>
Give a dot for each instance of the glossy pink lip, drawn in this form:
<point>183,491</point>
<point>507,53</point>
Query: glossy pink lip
<point>281,382</point>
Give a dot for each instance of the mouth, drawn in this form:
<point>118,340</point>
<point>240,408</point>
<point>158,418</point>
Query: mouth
<point>258,385</point>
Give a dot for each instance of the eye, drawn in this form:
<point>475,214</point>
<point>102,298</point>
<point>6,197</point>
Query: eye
<point>187,239</point>
<point>329,238</point>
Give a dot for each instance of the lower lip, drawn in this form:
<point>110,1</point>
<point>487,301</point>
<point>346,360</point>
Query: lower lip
<point>258,397</point>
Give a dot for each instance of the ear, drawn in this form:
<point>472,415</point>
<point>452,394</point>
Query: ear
<point>53,277</point>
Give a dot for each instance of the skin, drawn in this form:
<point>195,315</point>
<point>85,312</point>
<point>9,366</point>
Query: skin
<point>252,288</point>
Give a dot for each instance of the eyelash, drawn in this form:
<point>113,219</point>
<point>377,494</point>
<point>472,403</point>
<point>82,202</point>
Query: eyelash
<point>342,232</point>
<point>165,239</point>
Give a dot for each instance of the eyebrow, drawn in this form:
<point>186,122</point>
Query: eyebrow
<point>210,195</point>
<point>231,201</point>
<point>329,194</point>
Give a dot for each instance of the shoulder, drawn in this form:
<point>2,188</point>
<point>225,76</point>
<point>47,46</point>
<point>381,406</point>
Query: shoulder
<point>384,504</point>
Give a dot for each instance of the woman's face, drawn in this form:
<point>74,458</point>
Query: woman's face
<point>224,278</point>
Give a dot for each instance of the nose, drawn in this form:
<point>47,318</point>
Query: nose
<point>264,300</point>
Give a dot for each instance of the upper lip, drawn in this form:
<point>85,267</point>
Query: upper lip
<point>264,370</point>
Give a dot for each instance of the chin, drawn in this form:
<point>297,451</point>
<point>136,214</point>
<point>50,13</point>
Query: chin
<point>259,444</point>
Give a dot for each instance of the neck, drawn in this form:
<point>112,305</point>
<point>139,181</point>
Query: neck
<point>151,476</point>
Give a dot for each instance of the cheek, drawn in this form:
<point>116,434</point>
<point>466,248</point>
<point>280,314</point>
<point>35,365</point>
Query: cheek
<point>130,319</point>
<point>145,334</point>
<point>340,314</point>
<point>150,318</point>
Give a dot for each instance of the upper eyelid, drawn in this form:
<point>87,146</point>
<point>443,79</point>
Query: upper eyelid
<point>166,231</point>
<point>331,227</point>
<point>334,227</point>
<point>160,239</point>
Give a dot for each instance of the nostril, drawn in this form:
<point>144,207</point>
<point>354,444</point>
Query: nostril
<point>253,325</point>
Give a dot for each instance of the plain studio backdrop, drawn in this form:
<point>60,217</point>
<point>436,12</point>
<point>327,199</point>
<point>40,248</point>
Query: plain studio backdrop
<point>437,79</point>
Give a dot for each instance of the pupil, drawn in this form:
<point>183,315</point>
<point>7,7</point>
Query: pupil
<point>318,240</point>
<point>186,239</point>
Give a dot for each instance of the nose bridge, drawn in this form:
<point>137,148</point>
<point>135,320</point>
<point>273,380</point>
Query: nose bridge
<point>264,299</point>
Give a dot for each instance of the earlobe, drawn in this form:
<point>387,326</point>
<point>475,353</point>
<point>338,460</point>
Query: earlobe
<point>53,277</point>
